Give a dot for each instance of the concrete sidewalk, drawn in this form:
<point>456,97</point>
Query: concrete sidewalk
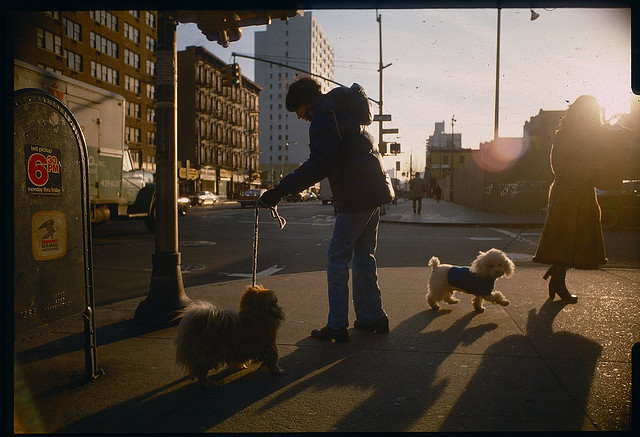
<point>446,213</point>
<point>535,365</point>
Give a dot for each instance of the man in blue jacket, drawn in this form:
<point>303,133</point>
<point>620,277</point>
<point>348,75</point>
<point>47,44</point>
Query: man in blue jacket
<point>342,151</point>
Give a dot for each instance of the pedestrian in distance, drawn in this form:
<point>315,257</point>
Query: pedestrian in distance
<point>343,151</point>
<point>572,233</point>
<point>438,192</point>
<point>417,189</point>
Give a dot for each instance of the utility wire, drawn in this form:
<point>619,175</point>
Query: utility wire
<point>296,69</point>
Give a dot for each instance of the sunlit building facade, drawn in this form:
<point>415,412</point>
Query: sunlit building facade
<point>218,127</point>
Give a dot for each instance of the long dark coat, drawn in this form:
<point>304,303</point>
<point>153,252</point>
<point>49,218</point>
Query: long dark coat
<point>417,188</point>
<point>572,233</point>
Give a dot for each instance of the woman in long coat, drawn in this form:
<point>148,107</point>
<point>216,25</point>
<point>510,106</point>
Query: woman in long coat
<point>572,233</point>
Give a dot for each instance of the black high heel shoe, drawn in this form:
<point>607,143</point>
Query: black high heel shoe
<point>557,284</point>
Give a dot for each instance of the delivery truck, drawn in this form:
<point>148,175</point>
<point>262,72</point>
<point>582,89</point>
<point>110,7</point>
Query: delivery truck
<point>116,189</point>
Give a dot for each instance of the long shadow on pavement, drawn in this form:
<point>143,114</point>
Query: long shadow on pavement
<point>401,384</point>
<point>515,393</point>
<point>106,334</point>
<point>185,407</point>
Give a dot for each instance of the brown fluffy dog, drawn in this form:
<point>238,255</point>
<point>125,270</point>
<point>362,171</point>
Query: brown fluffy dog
<point>210,338</point>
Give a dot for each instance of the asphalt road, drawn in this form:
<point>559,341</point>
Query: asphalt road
<point>216,245</point>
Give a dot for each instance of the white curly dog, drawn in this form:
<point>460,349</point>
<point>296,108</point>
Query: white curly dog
<point>478,280</point>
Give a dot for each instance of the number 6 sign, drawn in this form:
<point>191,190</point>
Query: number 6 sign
<point>43,170</point>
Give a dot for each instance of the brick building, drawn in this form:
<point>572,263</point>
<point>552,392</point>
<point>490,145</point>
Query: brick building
<point>217,126</point>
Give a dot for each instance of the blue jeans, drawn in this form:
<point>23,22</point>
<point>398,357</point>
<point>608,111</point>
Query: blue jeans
<point>354,235</point>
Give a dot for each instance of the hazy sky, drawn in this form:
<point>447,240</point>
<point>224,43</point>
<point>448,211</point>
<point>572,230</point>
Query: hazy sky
<point>444,60</point>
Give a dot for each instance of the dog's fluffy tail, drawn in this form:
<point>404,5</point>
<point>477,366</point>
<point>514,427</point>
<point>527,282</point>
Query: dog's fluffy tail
<point>434,262</point>
<point>201,325</point>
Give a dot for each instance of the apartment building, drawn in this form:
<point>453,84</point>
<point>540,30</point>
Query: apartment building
<point>443,152</point>
<point>113,50</point>
<point>298,42</point>
<point>217,127</point>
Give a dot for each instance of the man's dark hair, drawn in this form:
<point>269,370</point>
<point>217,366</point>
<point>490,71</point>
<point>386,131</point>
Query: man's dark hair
<point>302,92</point>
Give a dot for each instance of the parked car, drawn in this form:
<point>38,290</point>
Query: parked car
<point>183,205</point>
<point>203,198</point>
<point>621,208</point>
<point>249,197</point>
<point>309,195</point>
<point>296,197</point>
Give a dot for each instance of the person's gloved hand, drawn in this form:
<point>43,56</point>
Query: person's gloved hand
<point>270,198</point>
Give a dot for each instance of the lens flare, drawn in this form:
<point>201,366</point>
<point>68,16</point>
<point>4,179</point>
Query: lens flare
<point>496,156</point>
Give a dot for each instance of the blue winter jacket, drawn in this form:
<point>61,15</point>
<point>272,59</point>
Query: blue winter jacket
<point>342,151</point>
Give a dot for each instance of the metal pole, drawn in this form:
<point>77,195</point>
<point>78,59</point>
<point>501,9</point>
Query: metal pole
<point>451,164</point>
<point>495,126</point>
<point>166,291</point>
<point>379,19</point>
<point>380,139</point>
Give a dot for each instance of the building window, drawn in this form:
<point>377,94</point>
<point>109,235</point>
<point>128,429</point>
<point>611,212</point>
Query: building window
<point>49,41</point>
<point>135,13</point>
<point>53,14</point>
<point>131,134</point>
<point>133,109</point>
<point>103,44</point>
<point>73,60</point>
<point>151,115</point>
<point>151,138</point>
<point>131,58</point>
<point>151,20</point>
<point>132,33</point>
<point>49,68</point>
<point>104,73</point>
<point>105,18</point>
<point>72,29</point>
<point>151,43</point>
<point>151,91</point>
<point>132,84</point>
<point>151,68</point>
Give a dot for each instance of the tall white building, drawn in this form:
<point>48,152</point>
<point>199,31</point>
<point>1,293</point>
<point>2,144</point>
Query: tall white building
<point>299,42</point>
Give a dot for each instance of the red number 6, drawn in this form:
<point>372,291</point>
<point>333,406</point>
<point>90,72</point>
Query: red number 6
<point>37,169</point>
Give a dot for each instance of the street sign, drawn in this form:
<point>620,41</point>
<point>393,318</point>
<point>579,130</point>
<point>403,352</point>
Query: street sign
<point>389,131</point>
<point>188,173</point>
<point>208,174</point>
<point>382,117</point>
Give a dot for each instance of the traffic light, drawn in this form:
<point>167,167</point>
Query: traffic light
<point>231,75</point>
<point>226,26</point>
<point>236,77</point>
<point>383,148</point>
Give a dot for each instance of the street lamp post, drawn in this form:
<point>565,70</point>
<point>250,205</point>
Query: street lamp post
<point>495,125</point>
<point>166,290</point>
<point>453,120</point>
